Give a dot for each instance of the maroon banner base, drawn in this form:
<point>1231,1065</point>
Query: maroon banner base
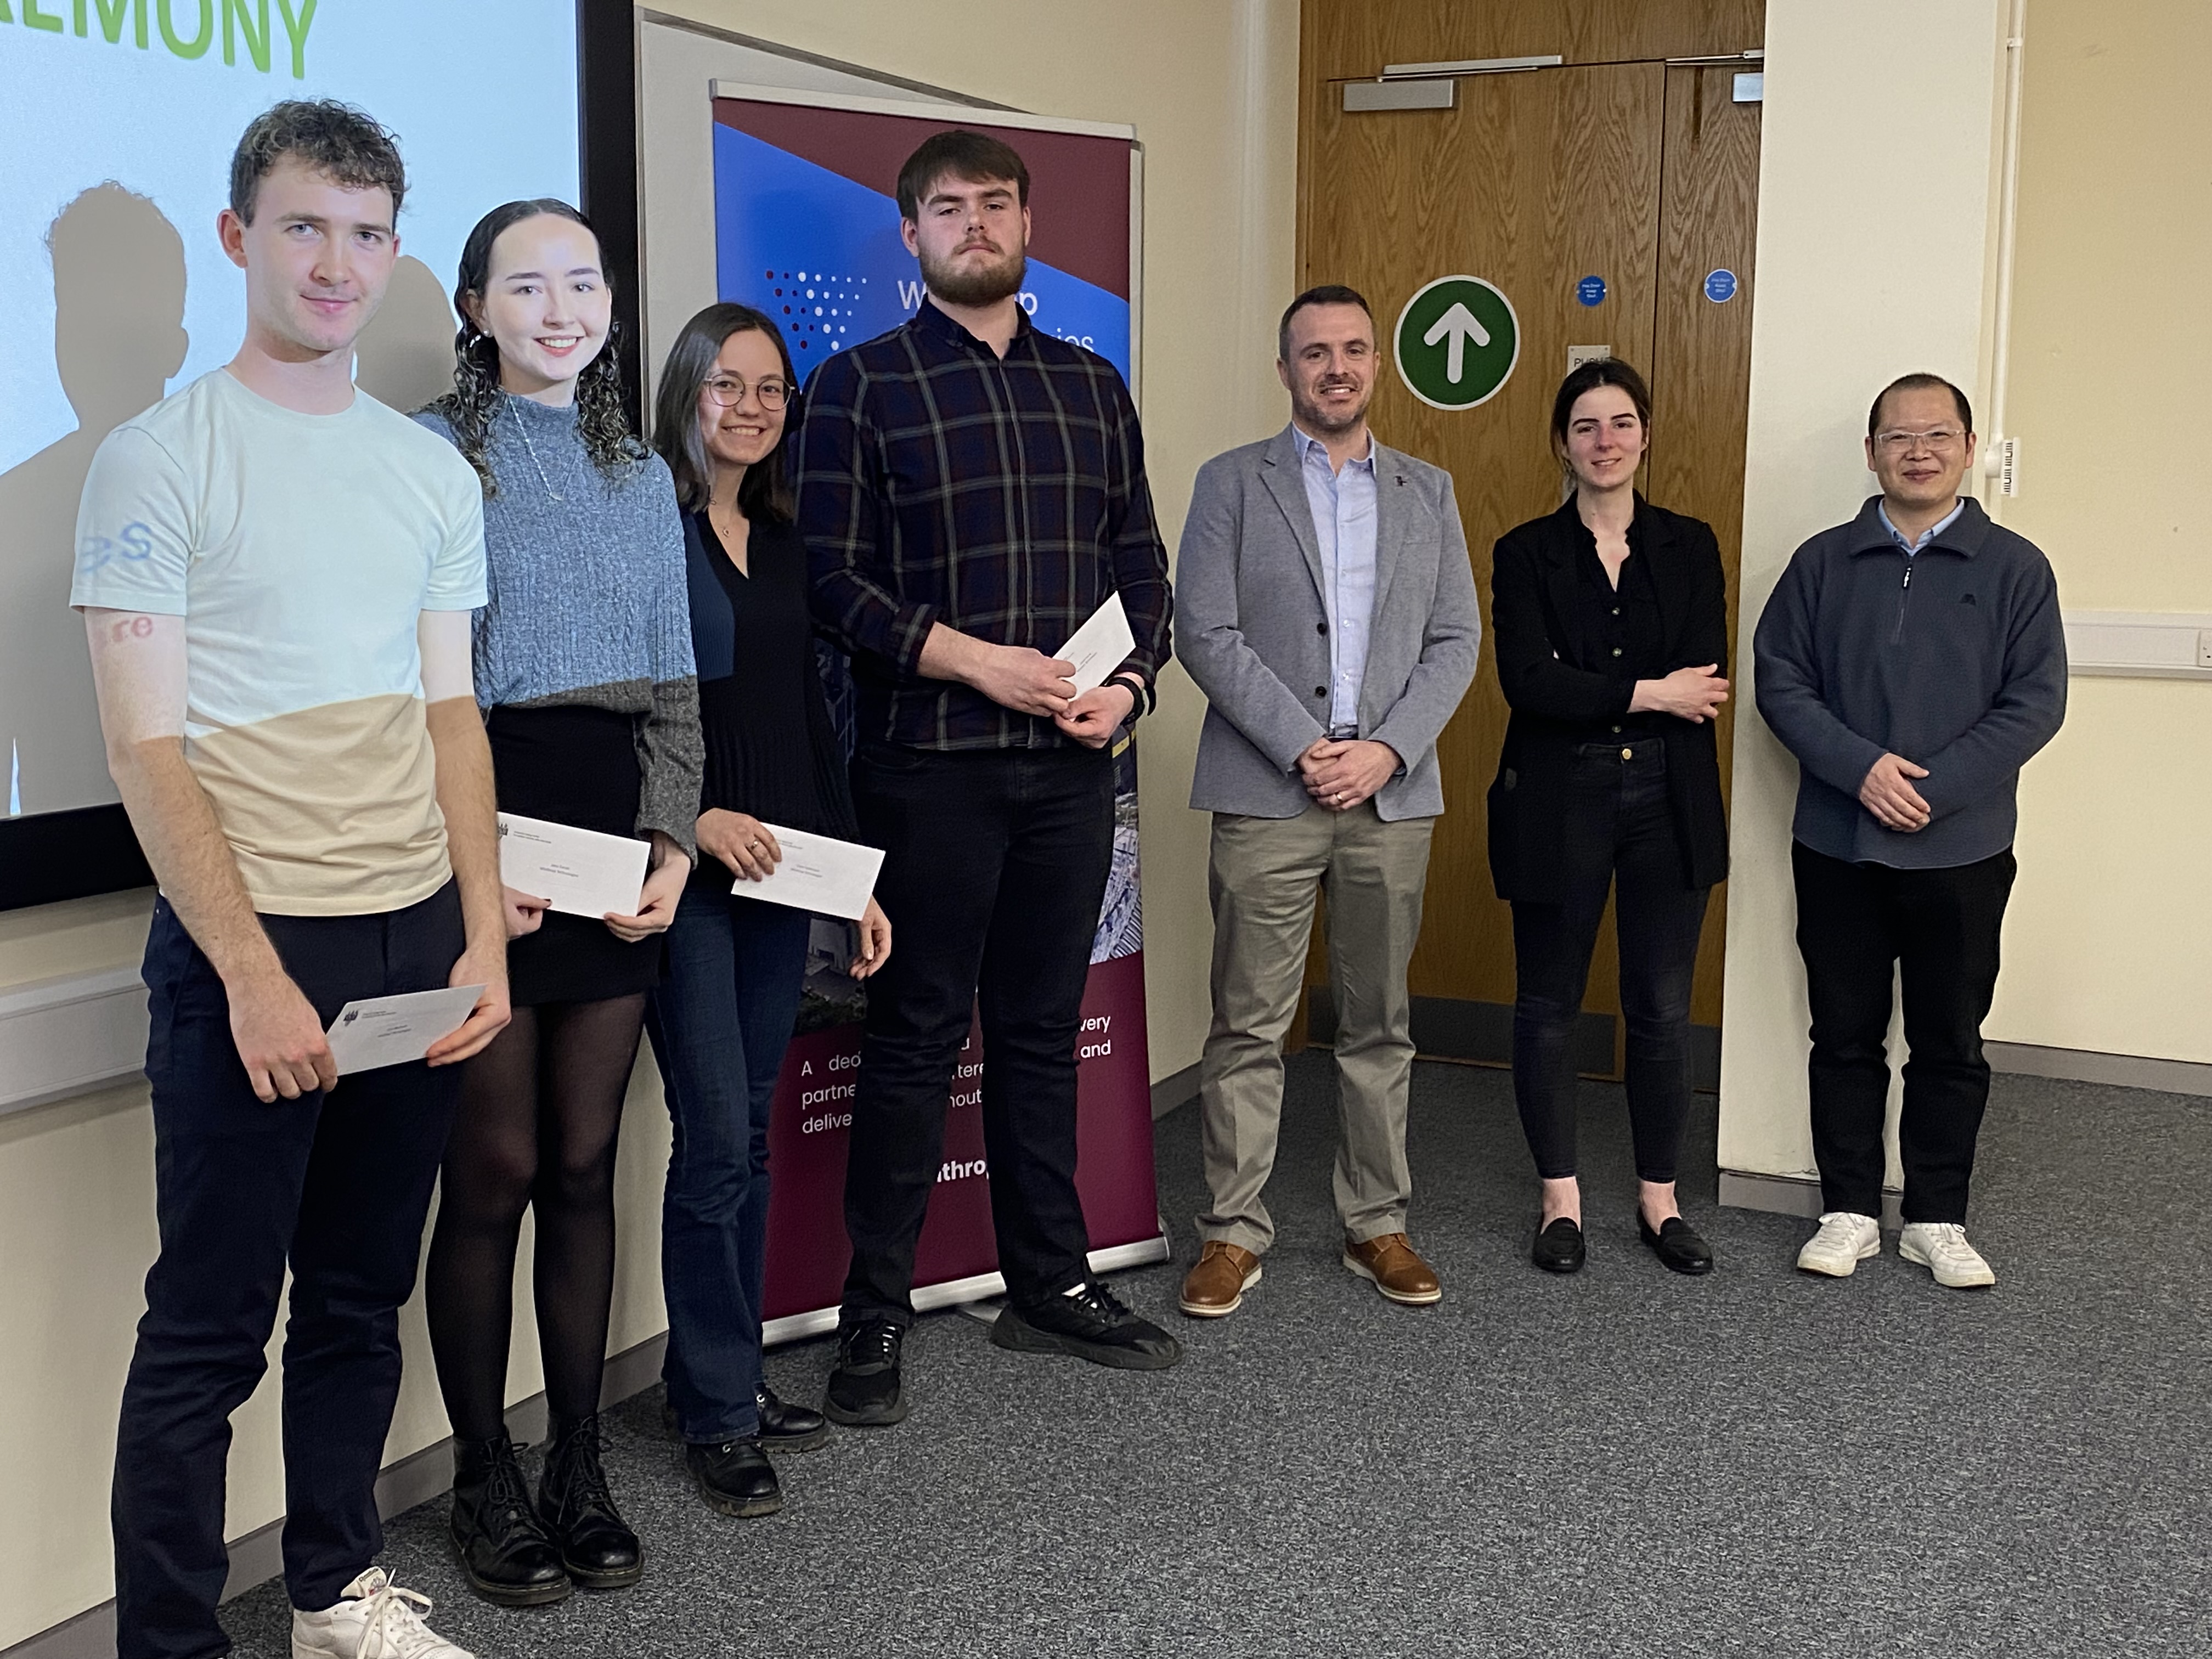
<point>811,1128</point>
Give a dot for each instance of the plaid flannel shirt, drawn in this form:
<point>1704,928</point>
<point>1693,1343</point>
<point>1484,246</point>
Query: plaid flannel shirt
<point>1004,498</point>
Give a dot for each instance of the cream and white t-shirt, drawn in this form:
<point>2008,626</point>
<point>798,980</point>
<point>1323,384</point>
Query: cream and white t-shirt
<point>301,550</point>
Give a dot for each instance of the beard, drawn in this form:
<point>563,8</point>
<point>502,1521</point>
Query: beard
<point>1320,418</point>
<point>974,285</point>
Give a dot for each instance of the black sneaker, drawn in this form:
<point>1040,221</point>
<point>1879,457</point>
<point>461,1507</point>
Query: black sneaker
<point>787,1427</point>
<point>865,1390</point>
<point>1091,1323</point>
<point>735,1478</point>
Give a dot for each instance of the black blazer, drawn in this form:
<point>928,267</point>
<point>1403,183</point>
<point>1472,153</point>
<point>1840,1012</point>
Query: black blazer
<point>1543,623</point>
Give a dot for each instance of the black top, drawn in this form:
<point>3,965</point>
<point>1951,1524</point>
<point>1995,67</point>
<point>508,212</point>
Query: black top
<point>1569,651</point>
<point>771,749</point>
<point>571,763</point>
<point>1627,639</point>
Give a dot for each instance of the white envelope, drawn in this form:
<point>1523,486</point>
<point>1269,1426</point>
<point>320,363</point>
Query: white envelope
<point>581,872</point>
<point>373,1031</point>
<point>1099,646</point>
<point>820,873</point>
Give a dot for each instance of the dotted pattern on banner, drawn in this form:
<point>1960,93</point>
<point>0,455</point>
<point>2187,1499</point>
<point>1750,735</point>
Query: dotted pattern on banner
<point>817,306</point>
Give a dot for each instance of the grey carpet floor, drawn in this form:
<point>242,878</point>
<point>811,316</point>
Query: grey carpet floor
<point>1624,1462</point>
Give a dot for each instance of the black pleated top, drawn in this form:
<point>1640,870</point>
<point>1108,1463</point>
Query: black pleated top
<point>771,748</point>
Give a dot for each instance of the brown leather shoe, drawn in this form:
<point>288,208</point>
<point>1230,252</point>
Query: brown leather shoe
<point>1216,1285</point>
<point>1391,1263</point>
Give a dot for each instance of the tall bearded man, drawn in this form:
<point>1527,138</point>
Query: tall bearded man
<point>971,489</point>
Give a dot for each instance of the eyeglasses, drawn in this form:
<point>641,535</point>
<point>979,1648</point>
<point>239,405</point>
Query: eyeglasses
<point>729,391</point>
<point>1940,441</point>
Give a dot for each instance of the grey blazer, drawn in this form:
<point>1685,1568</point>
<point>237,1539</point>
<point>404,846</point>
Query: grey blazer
<point>1250,625</point>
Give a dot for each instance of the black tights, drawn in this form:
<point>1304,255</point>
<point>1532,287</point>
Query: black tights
<point>540,1112</point>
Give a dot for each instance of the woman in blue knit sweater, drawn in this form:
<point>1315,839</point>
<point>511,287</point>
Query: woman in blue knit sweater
<point>584,670</point>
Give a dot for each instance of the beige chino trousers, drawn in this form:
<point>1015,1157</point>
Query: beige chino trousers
<point>1263,876</point>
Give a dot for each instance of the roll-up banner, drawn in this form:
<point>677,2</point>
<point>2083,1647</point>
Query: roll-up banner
<point>806,229</point>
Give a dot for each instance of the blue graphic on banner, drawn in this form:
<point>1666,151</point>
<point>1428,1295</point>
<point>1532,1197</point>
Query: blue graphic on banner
<point>822,255</point>
<point>1590,290</point>
<point>1720,285</point>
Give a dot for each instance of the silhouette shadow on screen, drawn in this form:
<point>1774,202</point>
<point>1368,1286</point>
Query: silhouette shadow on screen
<point>118,339</point>
<point>404,357</point>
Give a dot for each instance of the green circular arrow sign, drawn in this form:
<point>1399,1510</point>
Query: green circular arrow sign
<point>1457,342</point>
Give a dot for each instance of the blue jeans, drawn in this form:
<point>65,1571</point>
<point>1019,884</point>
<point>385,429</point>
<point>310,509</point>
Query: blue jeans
<point>720,1023</point>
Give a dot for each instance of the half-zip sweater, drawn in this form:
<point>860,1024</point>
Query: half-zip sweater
<point>1953,657</point>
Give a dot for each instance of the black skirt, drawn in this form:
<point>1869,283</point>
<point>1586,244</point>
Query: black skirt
<point>578,767</point>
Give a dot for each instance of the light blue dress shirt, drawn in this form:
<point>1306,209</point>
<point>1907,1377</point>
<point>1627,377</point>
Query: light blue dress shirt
<point>1343,505</point>
<point>1927,535</point>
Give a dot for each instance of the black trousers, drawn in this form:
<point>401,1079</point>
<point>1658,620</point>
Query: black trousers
<point>995,865</point>
<point>336,1187</point>
<point>1859,926</point>
<point>1619,833</point>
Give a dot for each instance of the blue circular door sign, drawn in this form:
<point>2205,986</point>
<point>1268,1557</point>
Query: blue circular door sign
<point>1590,290</point>
<point>1720,285</point>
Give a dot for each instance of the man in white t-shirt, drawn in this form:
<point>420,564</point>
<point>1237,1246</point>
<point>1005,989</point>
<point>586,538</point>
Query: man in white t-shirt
<point>277,574</point>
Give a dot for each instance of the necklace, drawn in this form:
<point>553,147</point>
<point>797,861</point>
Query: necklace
<point>530,445</point>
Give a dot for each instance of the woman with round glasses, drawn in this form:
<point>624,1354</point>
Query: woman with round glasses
<point>1610,629</point>
<point>721,1023</point>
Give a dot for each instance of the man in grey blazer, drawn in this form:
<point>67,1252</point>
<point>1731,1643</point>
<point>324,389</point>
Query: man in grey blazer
<point>1325,605</point>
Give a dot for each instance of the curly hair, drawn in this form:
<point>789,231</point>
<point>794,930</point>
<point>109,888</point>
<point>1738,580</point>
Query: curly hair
<point>336,140</point>
<point>602,412</point>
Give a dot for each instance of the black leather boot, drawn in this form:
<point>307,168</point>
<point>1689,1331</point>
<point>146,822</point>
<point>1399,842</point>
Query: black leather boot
<point>597,1546</point>
<point>788,1427</point>
<point>503,1550</point>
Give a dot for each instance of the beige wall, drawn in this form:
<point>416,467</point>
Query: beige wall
<point>1880,255</point>
<point>1868,268</point>
<point>1211,91</point>
<point>2106,944</point>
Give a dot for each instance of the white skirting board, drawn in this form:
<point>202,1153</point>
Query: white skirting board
<point>67,1036</point>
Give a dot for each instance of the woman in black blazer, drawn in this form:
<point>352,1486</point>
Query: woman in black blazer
<point>1612,638</point>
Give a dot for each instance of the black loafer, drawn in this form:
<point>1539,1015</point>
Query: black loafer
<point>789,1428</point>
<point>1558,1247</point>
<point>735,1478</point>
<point>1677,1244</point>
<point>866,1389</point>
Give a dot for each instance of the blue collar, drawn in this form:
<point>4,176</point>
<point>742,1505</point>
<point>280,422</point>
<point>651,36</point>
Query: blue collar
<point>1308,444</point>
<point>1927,535</point>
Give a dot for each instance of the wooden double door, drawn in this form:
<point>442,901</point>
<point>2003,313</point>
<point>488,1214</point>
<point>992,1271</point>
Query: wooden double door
<point>1641,175</point>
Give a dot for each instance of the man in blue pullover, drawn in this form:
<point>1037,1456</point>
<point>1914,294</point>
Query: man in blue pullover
<point>1912,661</point>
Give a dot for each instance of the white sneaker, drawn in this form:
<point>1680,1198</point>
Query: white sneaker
<point>376,1619</point>
<point>1845,1239</point>
<point>1941,1248</point>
